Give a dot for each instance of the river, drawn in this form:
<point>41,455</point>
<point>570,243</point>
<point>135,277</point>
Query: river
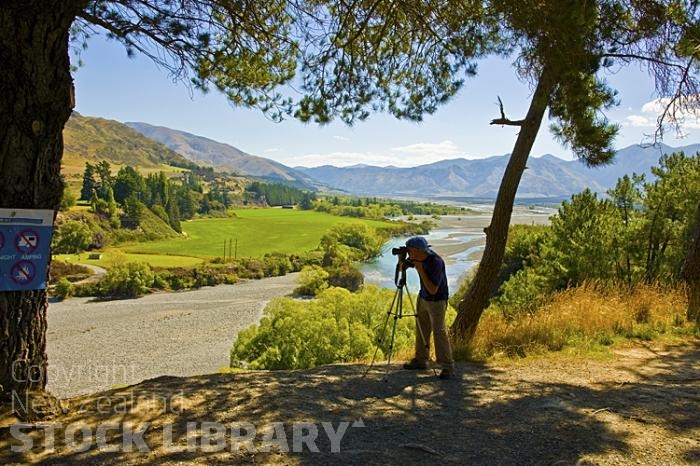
<point>458,239</point>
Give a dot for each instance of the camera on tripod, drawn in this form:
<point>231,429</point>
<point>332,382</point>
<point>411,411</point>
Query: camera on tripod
<point>402,253</point>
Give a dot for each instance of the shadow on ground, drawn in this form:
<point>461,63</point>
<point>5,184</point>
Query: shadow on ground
<point>641,410</point>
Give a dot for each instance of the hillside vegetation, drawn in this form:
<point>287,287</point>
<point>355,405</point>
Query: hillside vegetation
<point>90,139</point>
<point>606,270</point>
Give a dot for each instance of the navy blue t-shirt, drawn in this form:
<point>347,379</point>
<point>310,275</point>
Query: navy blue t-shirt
<point>434,268</point>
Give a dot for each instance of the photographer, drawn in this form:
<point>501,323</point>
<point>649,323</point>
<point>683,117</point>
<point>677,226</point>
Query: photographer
<point>431,307</point>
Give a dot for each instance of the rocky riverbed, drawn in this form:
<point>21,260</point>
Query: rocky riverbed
<point>96,345</point>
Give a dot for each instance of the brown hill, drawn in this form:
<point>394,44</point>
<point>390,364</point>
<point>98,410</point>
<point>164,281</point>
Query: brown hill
<point>89,139</point>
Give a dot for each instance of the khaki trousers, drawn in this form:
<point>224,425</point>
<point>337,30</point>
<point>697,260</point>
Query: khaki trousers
<point>430,318</point>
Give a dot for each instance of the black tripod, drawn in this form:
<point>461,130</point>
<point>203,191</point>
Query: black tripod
<point>396,310</point>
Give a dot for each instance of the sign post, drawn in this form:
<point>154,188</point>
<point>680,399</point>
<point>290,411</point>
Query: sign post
<point>25,237</point>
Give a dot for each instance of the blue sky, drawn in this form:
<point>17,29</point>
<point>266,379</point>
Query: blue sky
<point>111,85</point>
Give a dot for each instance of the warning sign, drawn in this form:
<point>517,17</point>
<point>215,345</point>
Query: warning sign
<point>25,236</point>
<point>23,272</point>
<point>27,241</point>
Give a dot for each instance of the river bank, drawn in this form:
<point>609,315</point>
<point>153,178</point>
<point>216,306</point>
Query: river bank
<point>459,225</point>
<point>97,345</point>
<point>459,239</point>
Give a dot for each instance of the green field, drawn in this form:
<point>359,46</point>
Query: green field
<point>111,256</point>
<point>252,233</point>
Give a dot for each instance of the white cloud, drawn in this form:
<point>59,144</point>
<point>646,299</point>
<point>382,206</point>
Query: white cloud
<point>650,112</point>
<point>410,155</point>
<point>341,138</point>
<point>688,115</point>
<point>272,150</point>
<point>439,151</point>
<point>655,107</point>
<point>344,159</point>
<point>639,121</point>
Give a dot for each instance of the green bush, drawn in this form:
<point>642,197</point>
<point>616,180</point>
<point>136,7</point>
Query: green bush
<point>523,293</point>
<point>72,237</point>
<point>355,242</point>
<point>209,276</point>
<point>337,326</point>
<point>176,278</point>
<point>130,280</point>
<point>63,289</point>
<point>276,264</point>
<point>312,280</point>
<point>68,200</point>
<point>345,276</point>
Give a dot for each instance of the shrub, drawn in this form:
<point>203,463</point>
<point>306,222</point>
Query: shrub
<point>276,264</point>
<point>207,276</point>
<point>67,270</point>
<point>251,268</point>
<point>130,279</point>
<point>346,276</point>
<point>337,326</point>
<point>523,293</point>
<point>72,237</point>
<point>68,200</point>
<point>63,289</point>
<point>312,280</point>
<point>176,278</point>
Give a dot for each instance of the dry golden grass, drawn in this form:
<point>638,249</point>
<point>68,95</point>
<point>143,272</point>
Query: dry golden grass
<point>585,319</point>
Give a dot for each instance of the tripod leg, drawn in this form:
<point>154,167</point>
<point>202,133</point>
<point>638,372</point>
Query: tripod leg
<point>389,313</point>
<point>393,335</point>
<point>420,335</point>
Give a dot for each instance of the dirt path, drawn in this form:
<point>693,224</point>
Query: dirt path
<point>639,409</point>
<point>97,274</point>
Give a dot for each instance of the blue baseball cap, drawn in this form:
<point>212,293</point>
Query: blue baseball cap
<point>418,242</point>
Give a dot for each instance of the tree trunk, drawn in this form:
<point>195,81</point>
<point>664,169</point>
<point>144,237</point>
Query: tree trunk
<point>37,98</point>
<point>482,287</point>
<point>691,271</point>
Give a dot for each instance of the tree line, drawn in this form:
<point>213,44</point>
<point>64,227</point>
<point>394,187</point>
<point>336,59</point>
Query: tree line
<point>638,233</point>
<point>171,198</point>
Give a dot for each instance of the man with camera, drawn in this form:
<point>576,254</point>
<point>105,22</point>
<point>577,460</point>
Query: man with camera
<point>430,308</point>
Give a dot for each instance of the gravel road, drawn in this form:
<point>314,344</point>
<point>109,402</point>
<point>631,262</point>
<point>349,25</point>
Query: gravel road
<point>96,345</point>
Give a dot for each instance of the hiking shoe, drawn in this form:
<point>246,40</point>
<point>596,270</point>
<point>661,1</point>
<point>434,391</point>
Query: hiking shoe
<point>415,364</point>
<point>446,374</point>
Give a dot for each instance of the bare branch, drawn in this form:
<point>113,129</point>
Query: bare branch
<point>503,120</point>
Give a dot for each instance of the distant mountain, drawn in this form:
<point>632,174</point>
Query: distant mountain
<point>222,156</point>
<point>634,159</point>
<point>141,144</point>
<point>90,139</point>
<point>545,177</point>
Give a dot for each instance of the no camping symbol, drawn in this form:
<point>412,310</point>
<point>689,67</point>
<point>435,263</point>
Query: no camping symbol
<point>27,241</point>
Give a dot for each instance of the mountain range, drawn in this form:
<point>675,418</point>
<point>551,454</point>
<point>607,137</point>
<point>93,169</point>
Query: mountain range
<point>546,176</point>
<point>222,156</point>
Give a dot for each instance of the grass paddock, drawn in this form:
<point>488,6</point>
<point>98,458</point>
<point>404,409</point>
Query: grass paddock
<point>251,233</point>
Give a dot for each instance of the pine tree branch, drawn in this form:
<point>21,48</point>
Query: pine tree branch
<point>503,120</point>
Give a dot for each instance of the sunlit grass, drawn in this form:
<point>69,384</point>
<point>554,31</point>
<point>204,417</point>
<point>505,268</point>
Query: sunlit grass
<point>587,320</point>
<point>110,256</point>
<point>252,233</point>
